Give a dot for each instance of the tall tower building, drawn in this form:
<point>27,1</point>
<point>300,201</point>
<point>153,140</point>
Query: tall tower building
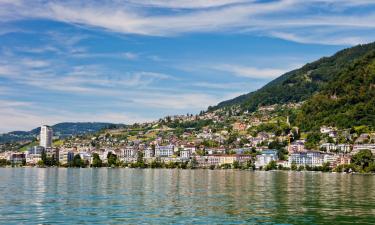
<point>46,134</point>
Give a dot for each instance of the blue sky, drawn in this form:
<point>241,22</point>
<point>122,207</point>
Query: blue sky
<point>139,60</point>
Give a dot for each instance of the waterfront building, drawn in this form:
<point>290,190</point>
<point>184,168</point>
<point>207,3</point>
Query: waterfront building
<point>164,151</point>
<point>149,153</point>
<point>266,157</point>
<point>52,153</point>
<point>243,158</point>
<point>86,157</point>
<point>185,154</point>
<point>306,159</point>
<point>65,157</point>
<point>130,154</point>
<point>46,135</point>
<point>17,157</point>
<point>330,158</point>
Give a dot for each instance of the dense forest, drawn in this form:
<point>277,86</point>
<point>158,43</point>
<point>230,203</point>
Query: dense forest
<point>346,101</point>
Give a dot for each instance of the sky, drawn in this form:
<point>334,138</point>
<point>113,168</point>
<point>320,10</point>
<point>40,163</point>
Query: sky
<point>139,60</point>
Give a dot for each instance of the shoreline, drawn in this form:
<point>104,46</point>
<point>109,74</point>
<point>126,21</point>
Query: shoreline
<point>230,169</point>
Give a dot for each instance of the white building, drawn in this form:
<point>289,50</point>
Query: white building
<point>326,130</point>
<point>46,135</point>
<point>65,157</point>
<point>266,157</point>
<point>329,147</point>
<point>343,148</point>
<point>164,151</point>
<point>306,159</point>
<point>185,154</point>
<point>149,153</point>
<point>297,146</point>
<point>130,154</point>
<point>357,148</point>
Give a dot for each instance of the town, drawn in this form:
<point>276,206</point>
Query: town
<point>221,139</point>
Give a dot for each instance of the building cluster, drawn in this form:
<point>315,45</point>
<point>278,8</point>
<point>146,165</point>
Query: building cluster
<point>205,147</point>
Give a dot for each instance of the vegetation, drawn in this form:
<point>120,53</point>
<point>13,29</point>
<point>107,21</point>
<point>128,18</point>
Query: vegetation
<point>346,101</point>
<point>364,161</point>
<point>338,91</point>
<point>77,161</point>
<point>96,161</point>
<point>300,84</point>
<point>271,166</point>
<point>4,162</point>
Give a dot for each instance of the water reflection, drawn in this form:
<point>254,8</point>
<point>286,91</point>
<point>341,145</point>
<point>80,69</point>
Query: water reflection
<point>183,196</point>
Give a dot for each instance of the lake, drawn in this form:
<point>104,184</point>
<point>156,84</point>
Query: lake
<point>162,196</point>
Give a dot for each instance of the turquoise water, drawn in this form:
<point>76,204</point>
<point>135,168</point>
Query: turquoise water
<point>161,196</point>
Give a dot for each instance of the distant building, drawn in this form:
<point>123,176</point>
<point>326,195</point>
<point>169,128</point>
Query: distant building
<point>164,151</point>
<point>239,126</point>
<point>266,157</point>
<point>35,150</point>
<point>343,148</point>
<point>52,153</point>
<point>130,154</point>
<point>358,147</point>
<point>329,147</point>
<point>46,135</point>
<point>17,158</point>
<point>185,154</point>
<point>297,146</point>
<point>86,157</point>
<point>306,159</point>
<point>66,157</point>
<point>326,130</point>
<point>149,153</point>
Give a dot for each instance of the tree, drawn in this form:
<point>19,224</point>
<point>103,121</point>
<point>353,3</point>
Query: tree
<point>40,163</point>
<point>4,162</point>
<point>326,167</point>
<point>96,161</point>
<point>271,166</point>
<point>111,159</point>
<point>293,166</point>
<point>236,164</point>
<point>312,140</point>
<point>363,159</point>
<point>77,161</point>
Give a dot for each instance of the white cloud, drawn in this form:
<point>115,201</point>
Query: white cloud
<point>274,18</point>
<point>32,63</point>
<point>187,4</point>
<point>130,55</point>
<point>14,118</point>
<point>250,72</point>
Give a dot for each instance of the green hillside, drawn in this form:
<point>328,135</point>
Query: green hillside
<point>347,100</point>
<point>300,84</point>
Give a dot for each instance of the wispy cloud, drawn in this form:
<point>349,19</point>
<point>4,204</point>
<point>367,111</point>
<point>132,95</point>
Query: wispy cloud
<point>250,72</point>
<point>187,4</point>
<point>281,19</point>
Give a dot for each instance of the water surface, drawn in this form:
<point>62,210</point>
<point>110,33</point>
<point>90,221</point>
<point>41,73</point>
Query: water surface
<point>155,196</point>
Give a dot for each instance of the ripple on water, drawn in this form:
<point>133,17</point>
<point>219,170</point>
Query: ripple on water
<point>40,196</point>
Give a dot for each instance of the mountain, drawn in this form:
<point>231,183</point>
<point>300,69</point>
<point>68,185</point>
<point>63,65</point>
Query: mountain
<point>300,84</point>
<point>337,90</point>
<point>61,129</point>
